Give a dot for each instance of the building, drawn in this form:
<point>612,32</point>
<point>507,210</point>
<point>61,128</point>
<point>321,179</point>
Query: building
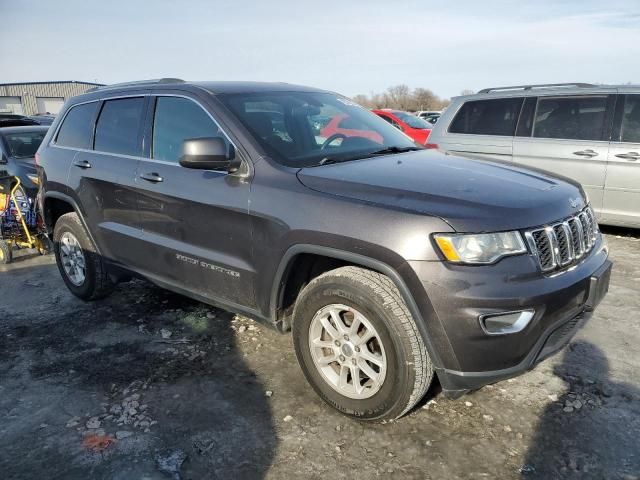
<point>39,97</point>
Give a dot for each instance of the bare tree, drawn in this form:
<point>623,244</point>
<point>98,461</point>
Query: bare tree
<point>401,97</point>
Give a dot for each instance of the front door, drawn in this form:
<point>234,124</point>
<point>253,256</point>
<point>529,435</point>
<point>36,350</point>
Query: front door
<point>622,185</point>
<point>195,222</point>
<point>570,138</point>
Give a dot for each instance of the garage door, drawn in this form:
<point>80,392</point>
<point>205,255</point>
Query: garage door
<point>11,105</point>
<point>49,104</point>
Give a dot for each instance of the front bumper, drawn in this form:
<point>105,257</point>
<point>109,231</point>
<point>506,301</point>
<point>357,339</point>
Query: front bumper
<point>467,357</point>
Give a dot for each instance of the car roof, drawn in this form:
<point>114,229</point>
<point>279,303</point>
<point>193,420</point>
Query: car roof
<point>544,90</point>
<point>28,128</point>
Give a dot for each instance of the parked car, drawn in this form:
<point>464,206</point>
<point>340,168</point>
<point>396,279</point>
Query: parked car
<point>15,120</point>
<point>18,146</point>
<point>390,263</point>
<point>432,118</point>
<point>346,126</point>
<point>428,113</point>
<point>590,133</point>
<point>413,126</point>
<point>43,119</point>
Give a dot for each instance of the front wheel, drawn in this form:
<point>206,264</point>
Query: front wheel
<point>359,346</point>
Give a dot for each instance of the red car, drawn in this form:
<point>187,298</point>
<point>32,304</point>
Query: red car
<point>415,127</point>
<point>344,125</point>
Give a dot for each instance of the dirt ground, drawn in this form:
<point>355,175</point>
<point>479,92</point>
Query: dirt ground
<point>149,385</point>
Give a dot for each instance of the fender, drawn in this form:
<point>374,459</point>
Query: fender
<point>76,209</point>
<point>358,259</point>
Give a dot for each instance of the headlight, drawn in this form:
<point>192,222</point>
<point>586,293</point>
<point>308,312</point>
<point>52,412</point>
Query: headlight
<point>481,247</point>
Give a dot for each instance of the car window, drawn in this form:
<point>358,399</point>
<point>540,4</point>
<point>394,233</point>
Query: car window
<point>573,118</point>
<point>77,126</point>
<point>118,126</point>
<point>175,120</point>
<point>412,120</point>
<point>312,128</point>
<point>487,117</point>
<point>24,144</point>
<point>389,120</point>
<point>630,129</point>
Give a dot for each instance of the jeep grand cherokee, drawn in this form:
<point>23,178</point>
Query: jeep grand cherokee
<point>390,264</point>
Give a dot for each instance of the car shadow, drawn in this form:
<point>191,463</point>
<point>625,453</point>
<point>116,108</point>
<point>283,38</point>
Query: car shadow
<point>590,431</point>
<point>205,412</point>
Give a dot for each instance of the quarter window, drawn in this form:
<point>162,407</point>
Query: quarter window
<point>118,126</point>
<point>177,119</point>
<point>488,117</point>
<point>630,130</point>
<point>572,118</point>
<point>77,126</point>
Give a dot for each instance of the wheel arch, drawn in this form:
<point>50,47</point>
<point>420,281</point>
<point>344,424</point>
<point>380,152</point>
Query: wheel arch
<point>342,257</point>
<point>56,204</point>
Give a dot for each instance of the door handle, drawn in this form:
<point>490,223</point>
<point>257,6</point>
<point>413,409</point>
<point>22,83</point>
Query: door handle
<point>151,177</point>
<point>586,153</point>
<point>631,156</point>
<point>82,164</point>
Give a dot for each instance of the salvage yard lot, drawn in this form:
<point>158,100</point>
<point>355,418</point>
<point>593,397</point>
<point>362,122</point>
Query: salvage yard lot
<point>148,384</point>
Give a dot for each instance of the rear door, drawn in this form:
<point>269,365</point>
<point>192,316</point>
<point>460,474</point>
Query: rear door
<point>108,144</point>
<point>484,128</point>
<point>622,184</point>
<point>195,222</point>
<point>569,136</point>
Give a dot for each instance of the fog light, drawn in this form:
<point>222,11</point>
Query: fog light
<point>504,323</point>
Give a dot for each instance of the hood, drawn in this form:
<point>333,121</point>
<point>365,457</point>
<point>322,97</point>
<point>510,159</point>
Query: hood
<point>471,195</point>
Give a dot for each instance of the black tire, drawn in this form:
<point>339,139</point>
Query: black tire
<point>97,283</point>
<point>6,255</point>
<point>409,367</point>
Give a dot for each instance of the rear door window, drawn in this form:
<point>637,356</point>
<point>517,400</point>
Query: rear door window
<point>118,127</point>
<point>77,126</point>
<point>175,120</point>
<point>488,117</point>
<point>571,118</point>
<point>630,128</point>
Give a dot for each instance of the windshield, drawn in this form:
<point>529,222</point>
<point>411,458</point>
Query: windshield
<point>412,120</point>
<point>303,129</point>
<point>24,144</point>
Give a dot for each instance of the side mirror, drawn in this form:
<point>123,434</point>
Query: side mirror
<point>210,153</point>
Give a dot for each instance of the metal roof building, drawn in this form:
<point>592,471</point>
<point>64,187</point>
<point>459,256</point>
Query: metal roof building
<point>39,97</point>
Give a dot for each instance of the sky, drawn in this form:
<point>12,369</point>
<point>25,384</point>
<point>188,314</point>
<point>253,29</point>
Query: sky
<point>352,47</point>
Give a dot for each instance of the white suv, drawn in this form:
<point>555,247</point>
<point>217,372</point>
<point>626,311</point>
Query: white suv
<point>590,133</point>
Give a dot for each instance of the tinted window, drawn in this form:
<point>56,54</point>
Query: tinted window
<point>118,126</point>
<point>573,118</point>
<point>77,126</point>
<point>487,117</point>
<point>351,123</point>
<point>630,130</point>
<point>175,120</point>
<point>412,120</point>
<point>24,144</point>
<point>390,120</point>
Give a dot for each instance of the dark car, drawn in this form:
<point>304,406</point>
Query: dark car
<point>391,264</point>
<point>18,146</point>
<point>43,119</point>
<point>15,120</point>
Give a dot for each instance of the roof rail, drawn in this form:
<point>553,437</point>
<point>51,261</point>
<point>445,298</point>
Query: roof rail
<point>541,85</point>
<point>154,81</point>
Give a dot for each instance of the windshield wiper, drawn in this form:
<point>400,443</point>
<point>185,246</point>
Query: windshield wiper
<point>394,149</point>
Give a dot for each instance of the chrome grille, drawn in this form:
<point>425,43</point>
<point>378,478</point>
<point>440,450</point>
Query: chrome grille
<point>563,243</point>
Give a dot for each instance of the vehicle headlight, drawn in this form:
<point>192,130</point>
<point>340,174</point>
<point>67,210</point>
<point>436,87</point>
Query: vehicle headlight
<point>479,248</point>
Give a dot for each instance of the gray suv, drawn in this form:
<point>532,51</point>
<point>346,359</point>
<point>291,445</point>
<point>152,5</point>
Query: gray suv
<point>590,133</point>
<point>390,264</point>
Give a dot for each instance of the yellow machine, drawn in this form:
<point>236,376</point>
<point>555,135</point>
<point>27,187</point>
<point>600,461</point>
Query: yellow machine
<point>20,225</point>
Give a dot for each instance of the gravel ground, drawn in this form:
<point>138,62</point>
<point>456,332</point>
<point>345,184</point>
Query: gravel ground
<point>148,384</point>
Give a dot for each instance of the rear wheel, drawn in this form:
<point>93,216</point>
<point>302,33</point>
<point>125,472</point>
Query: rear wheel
<point>82,269</point>
<point>6,255</point>
<point>359,346</point>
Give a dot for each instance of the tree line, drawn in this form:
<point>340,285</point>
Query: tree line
<point>401,97</point>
